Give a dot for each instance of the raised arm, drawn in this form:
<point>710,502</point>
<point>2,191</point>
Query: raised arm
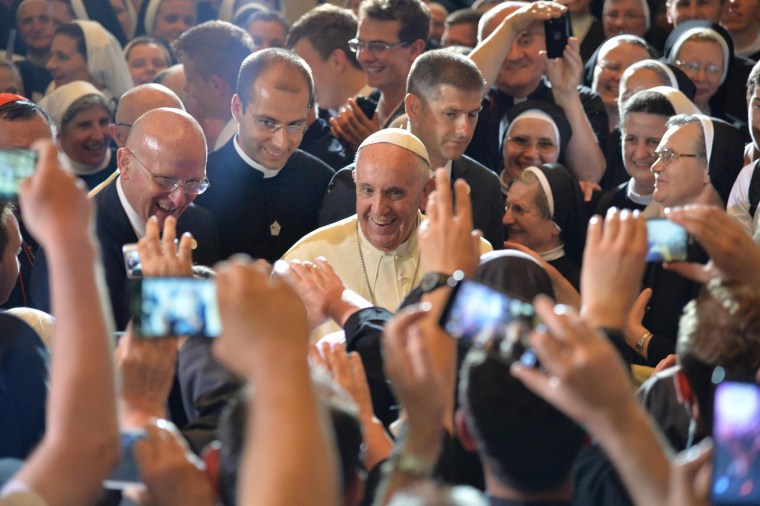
<point>81,442</point>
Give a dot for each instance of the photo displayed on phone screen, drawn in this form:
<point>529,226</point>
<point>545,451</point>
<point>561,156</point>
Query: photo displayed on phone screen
<point>736,441</point>
<point>15,165</point>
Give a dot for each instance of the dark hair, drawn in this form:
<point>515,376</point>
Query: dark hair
<point>231,435</point>
<point>413,15</point>
<point>75,32</point>
<point>145,40</point>
<point>720,328</point>
<point>327,27</point>
<point>436,68</point>
<point>21,110</point>
<point>291,65</point>
<point>265,15</point>
<point>687,119</point>
<point>527,443</point>
<point>462,16</point>
<point>649,102</point>
<point>80,104</point>
<point>216,48</point>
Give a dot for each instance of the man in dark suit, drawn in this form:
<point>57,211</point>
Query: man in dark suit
<point>162,169</point>
<point>443,100</point>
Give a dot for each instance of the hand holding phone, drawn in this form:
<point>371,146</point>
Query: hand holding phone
<point>127,473</point>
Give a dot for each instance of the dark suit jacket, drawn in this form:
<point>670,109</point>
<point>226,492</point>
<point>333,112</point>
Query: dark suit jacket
<point>114,231</point>
<point>485,193</point>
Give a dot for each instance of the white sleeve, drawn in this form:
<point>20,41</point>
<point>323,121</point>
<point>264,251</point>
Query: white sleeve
<point>737,206</point>
<point>18,493</point>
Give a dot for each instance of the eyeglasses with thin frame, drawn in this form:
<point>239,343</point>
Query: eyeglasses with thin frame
<point>693,66</point>
<point>373,46</point>
<point>610,66</point>
<point>516,209</point>
<point>543,146</point>
<point>628,15</point>
<point>668,156</point>
<point>170,184</point>
<point>272,126</point>
<point>125,125</point>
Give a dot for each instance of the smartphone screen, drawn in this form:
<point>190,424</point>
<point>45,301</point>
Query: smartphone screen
<point>482,316</point>
<point>126,472</point>
<point>666,241</point>
<point>132,261</point>
<point>15,165</point>
<point>736,439</point>
<point>162,307</point>
<point>557,32</point>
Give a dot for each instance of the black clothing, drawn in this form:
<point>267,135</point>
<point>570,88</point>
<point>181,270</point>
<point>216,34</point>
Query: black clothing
<point>263,217</point>
<point>569,269</point>
<point>320,143</point>
<point>593,39</point>
<point>617,197</point>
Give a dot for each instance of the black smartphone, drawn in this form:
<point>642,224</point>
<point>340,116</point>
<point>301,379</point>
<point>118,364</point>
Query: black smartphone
<point>736,444</point>
<point>557,32</point>
<point>162,307</point>
<point>367,105</point>
<point>126,473</point>
<point>132,262</point>
<point>15,165</point>
<point>485,317</point>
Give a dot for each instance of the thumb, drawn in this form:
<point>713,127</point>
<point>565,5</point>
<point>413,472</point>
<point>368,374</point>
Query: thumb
<point>640,306</point>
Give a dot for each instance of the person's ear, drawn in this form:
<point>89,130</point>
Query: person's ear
<point>463,432</point>
<point>338,60</point>
<point>113,130</point>
<point>211,455</point>
<point>218,86</point>
<point>416,48</point>
<point>413,106</point>
<point>237,107</point>
<point>122,162</point>
<point>684,392</point>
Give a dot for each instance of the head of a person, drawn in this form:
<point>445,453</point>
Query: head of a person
<point>438,14</point>
<point>146,57</point>
<point>84,131</point>
<point>642,76</point>
<point>344,422</point>
<point>321,38</point>
<point>275,91</point>
<point>461,28</point>
<point>61,12</point>
<point>212,54</point>
<point>753,104</point>
<point>741,17</point>
<point>168,19</point>
<point>68,55</point>
<point>625,16</point>
<point>125,18</point>
<point>393,179</point>
<point>527,217</point>
<point>718,339</point>
<point>533,136</point>
<point>35,25</point>
<point>267,29</point>
<point>681,171</point>
<point>138,101</point>
<point>10,247</point>
<point>524,442</point>
<point>391,34</point>
<point>678,11</point>
<point>22,122</point>
<point>614,57</point>
<point>642,125</point>
<point>10,79</point>
<point>521,71</point>
<point>174,79</point>
<point>163,166</point>
<point>704,55</point>
<point>443,100</point>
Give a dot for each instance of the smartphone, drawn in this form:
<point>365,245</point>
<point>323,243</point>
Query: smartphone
<point>15,165</point>
<point>736,441</point>
<point>132,261</point>
<point>485,317</point>
<point>367,105</point>
<point>557,32</point>
<point>162,307</point>
<point>666,241</point>
<point>126,474</point>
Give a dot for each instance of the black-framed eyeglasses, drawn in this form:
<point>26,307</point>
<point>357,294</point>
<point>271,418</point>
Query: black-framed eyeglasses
<point>170,184</point>
<point>668,156</point>
<point>516,209</point>
<point>373,46</point>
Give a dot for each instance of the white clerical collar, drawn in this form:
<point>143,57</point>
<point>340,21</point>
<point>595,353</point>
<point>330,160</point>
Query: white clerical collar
<point>643,200</point>
<point>447,166</point>
<point>409,246</point>
<point>253,163</point>
<point>553,254</point>
<point>138,225</point>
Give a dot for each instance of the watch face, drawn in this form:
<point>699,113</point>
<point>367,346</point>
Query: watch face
<point>432,280</point>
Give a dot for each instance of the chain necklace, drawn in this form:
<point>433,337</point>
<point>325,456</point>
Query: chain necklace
<point>364,267</point>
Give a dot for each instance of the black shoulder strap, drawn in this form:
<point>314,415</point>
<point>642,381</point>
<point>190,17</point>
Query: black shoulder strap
<point>754,189</point>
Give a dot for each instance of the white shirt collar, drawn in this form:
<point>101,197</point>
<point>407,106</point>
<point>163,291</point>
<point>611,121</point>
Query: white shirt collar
<point>643,200</point>
<point>138,225</point>
<point>553,254</point>
<point>253,163</point>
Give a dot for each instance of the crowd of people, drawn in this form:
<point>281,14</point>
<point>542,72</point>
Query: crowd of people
<point>341,174</point>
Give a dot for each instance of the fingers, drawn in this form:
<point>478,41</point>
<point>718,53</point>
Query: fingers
<point>396,330</point>
<point>695,272</point>
<point>640,306</point>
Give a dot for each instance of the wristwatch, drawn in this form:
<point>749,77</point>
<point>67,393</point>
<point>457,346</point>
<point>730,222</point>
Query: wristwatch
<point>409,463</point>
<point>434,280</point>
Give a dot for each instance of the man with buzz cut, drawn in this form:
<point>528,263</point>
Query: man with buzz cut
<point>265,193</point>
<point>443,100</point>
